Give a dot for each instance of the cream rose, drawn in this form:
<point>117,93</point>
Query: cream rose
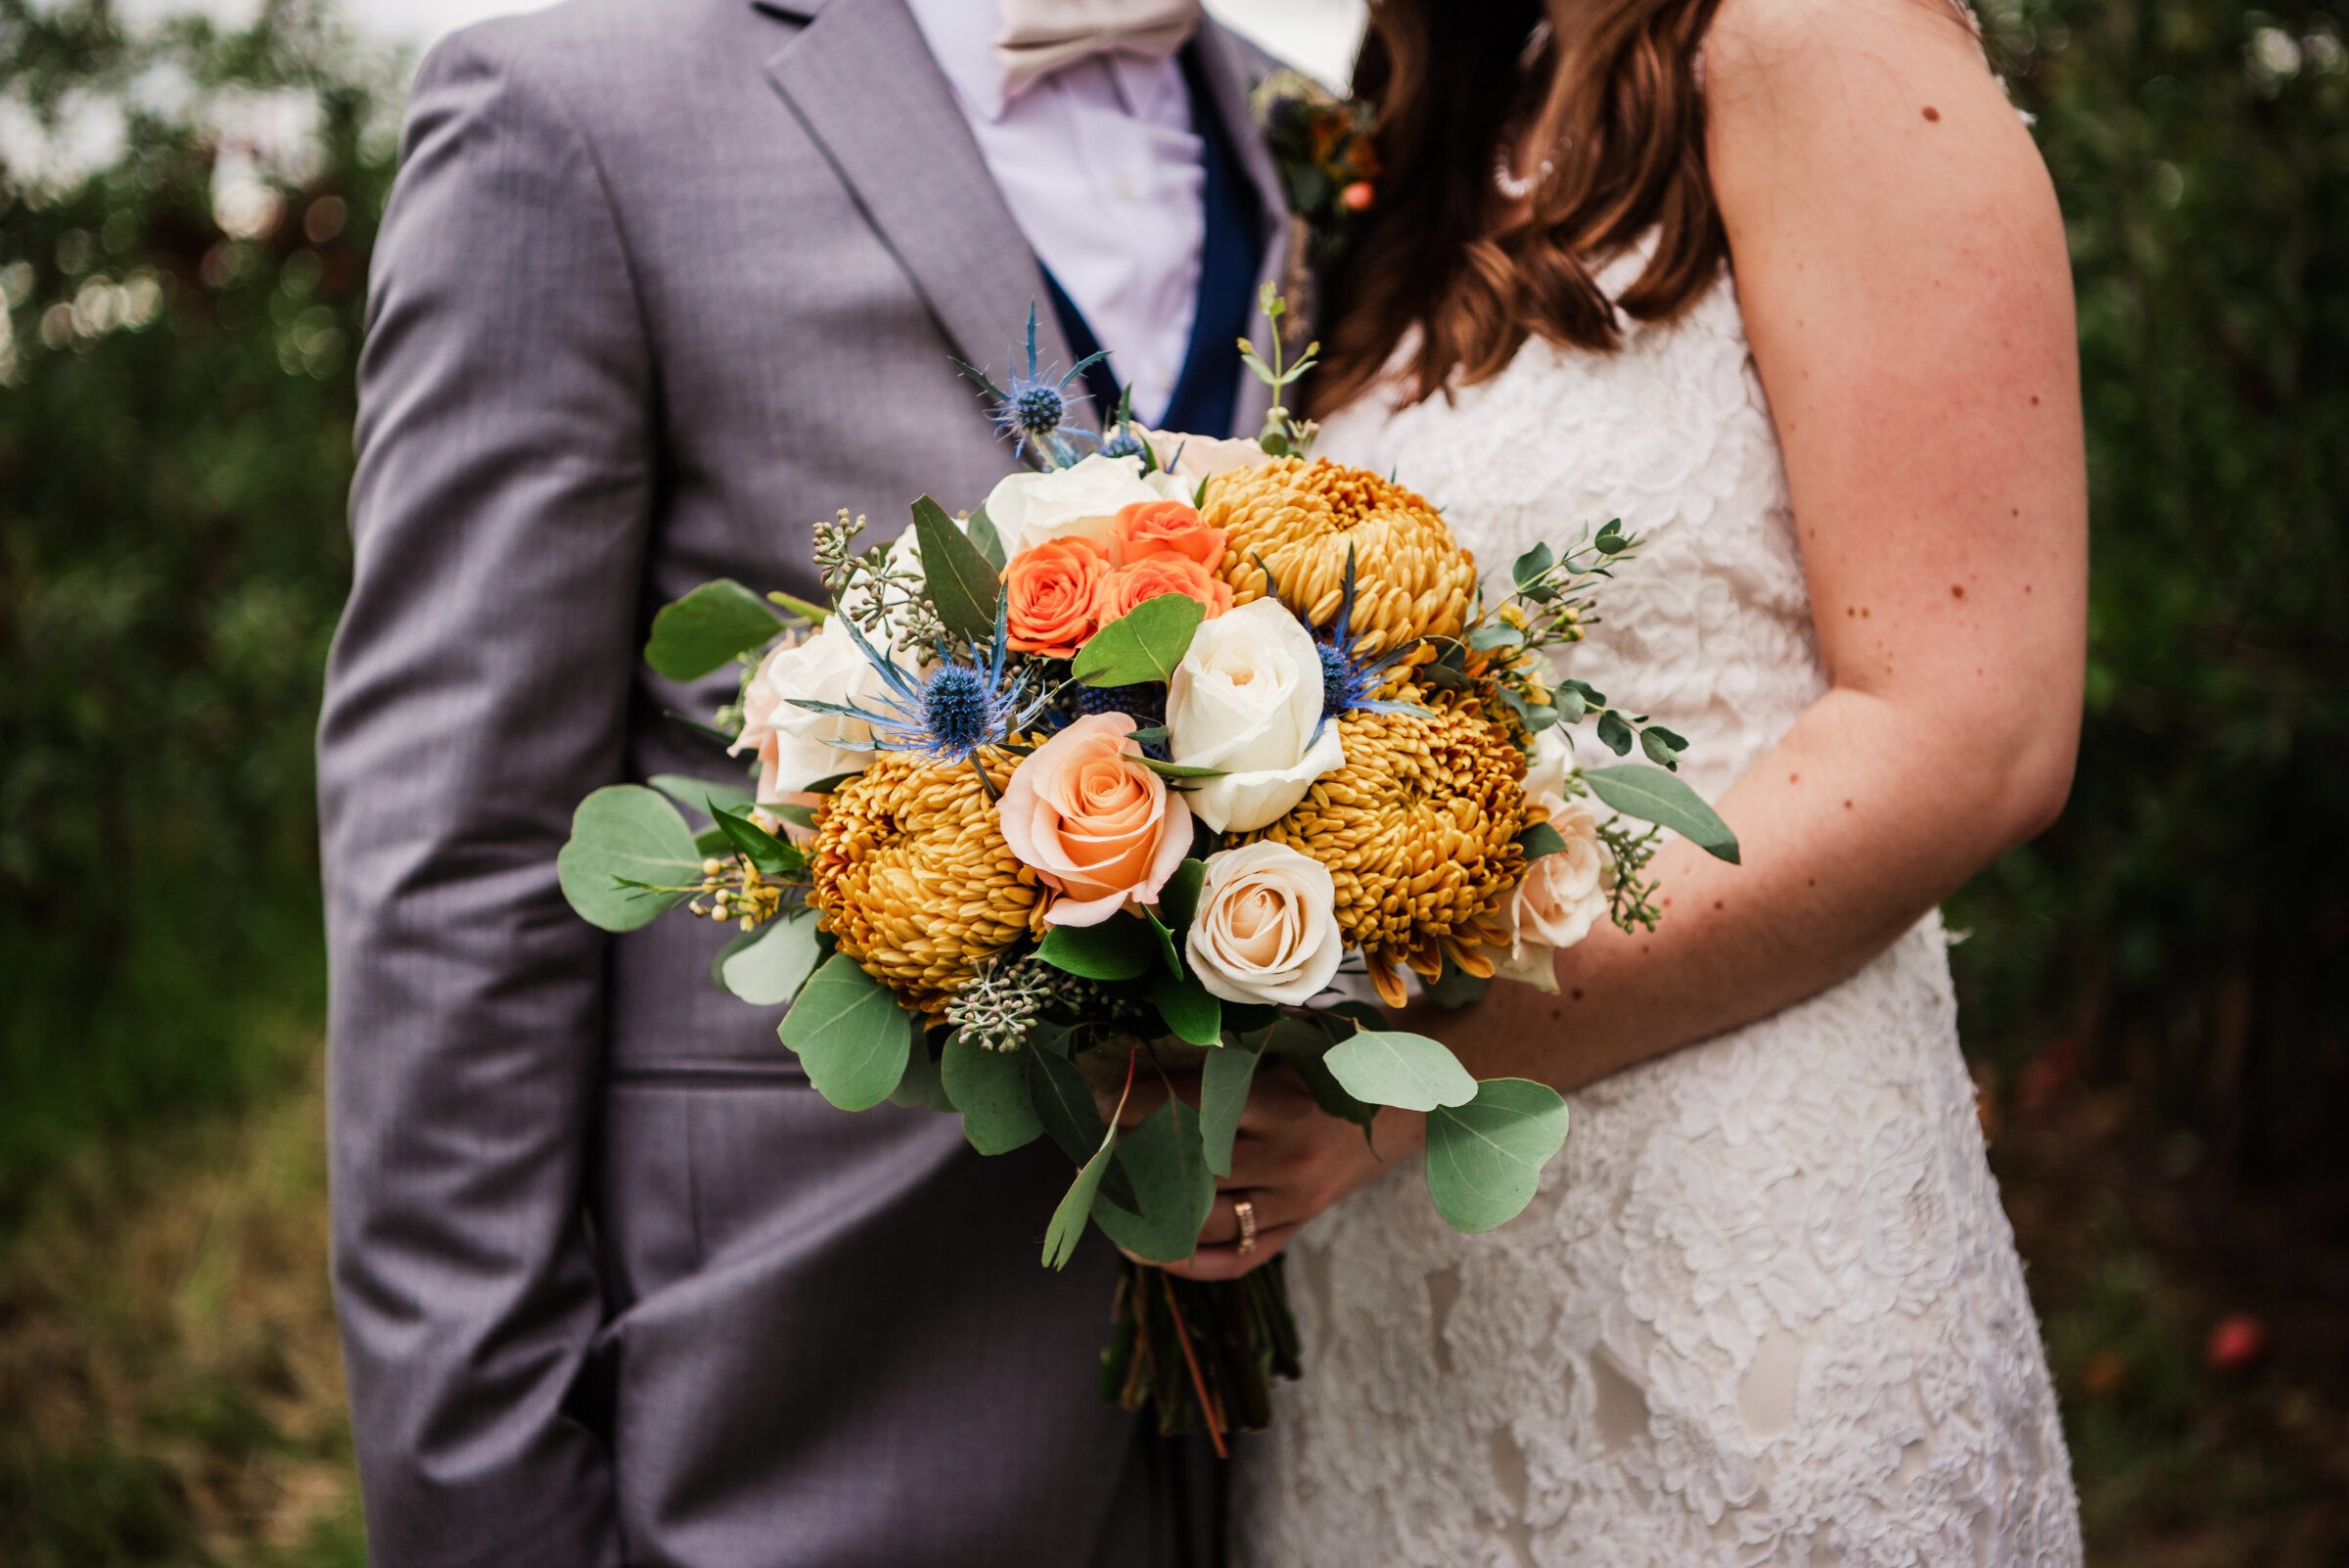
<point>1267,930</point>
<point>797,746</point>
<point>1246,699</point>
<point>1565,892</point>
<point>1198,457</point>
<point>1029,509</point>
<point>1094,823</point>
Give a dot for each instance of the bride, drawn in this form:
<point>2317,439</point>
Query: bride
<point>1781,284</point>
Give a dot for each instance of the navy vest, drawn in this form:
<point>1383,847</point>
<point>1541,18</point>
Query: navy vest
<point>1208,388</point>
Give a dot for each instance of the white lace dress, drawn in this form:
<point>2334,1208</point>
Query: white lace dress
<point>1766,1307</point>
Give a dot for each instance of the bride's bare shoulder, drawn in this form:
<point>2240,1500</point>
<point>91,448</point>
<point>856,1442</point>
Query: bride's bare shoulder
<point>1772,59</point>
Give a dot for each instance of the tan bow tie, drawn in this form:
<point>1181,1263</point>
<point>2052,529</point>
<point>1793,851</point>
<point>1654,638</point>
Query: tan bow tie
<point>1040,37</point>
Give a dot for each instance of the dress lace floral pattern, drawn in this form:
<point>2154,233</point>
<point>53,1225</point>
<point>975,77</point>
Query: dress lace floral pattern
<point>1766,1308</point>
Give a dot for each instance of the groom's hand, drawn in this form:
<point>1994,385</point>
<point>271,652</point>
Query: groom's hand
<point>1290,1161</point>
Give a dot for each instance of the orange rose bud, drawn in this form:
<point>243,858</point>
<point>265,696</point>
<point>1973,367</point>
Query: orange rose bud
<point>1155,575</point>
<point>1052,593</point>
<point>1166,528</point>
<point>1359,196</point>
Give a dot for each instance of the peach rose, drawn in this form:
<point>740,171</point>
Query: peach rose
<point>1053,591</point>
<point>1155,575</point>
<point>1166,528</point>
<point>1093,822</point>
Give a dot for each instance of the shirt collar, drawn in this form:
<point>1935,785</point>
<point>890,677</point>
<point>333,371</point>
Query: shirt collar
<point>961,38</point>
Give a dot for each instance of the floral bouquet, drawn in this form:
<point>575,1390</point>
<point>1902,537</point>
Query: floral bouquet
<point>1123,773</point>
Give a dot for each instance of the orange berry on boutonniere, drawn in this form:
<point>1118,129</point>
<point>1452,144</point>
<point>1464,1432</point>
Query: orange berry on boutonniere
<point>1166,528</point>
<point>1052,594</point>
<point>1157,575</point>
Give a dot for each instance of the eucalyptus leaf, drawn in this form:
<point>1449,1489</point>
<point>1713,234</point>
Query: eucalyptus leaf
<point>1302,1046</point>
<point>1062,1098</point>
<point>621,834</point>
<point>1484,1158</point>
<point>921,1088</point>
<point>1178,898</point>
<point>769,970</point>
<point>850,1034</point>
<point>1654,795</point>
<point>1499,634</point>
<point>962,583</point>
<point>710,625</point>
<point>803,608</point>
<point>991,1090</point>
<point>1120,948</point>
<point>1224,1079</point>
<point>1144,644</point>
<point>983,534</point>
<point>1191,1012</point>
<point>1613,733</point>
<point>712,844</point>
<point>1456,987</point>
<point>702,795</point>
<point>1539,840</point>
<point>1658,749</point>
<point>1076,1205</point>
<point>1391,1067</point>
<point>1531,564</point>
<point>1168,1168</point>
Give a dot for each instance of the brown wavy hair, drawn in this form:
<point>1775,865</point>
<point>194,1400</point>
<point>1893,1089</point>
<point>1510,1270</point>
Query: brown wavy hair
<point>1612,93</point>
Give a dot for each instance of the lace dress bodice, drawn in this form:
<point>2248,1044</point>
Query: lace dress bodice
<point>1765,1309</point>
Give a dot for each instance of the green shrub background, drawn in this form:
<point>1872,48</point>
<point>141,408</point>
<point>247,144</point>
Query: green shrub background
<point>174,555</point>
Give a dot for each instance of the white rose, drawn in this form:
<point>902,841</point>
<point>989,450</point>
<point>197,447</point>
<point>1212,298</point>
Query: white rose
<point>1029,509</point>
<point>1247,700</point>
<point>1563,895</point>
<point>797,746</point>
<point>1198,457</point>
<point>1267,929</point>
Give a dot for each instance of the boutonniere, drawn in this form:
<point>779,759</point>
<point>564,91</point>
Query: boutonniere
<point>1322,146</point>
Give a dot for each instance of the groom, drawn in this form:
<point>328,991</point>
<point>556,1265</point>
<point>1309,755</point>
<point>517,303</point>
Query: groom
<point>658,286</point>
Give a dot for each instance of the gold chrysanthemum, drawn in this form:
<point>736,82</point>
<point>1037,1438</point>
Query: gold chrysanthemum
<point>1411,577</point>
<point>913,878</point>
<point>1419,831</point>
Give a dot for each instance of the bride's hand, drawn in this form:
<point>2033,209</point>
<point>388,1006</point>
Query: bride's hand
<point>1290,1161</point>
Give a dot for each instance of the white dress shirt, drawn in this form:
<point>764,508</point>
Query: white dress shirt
<point>1103,174</point>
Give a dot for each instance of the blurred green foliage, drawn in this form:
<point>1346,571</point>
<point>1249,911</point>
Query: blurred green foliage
<point>2179,931</point>
<point>175,417</point>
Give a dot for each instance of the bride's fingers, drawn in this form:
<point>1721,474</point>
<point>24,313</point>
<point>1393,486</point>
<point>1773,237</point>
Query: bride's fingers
<point>1223,1227</point>
<point>1215,1263</point>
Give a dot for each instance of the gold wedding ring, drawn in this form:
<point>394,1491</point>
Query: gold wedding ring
<point>1244,1212</point>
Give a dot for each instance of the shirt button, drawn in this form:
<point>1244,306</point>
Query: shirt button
<point>1123,187</point>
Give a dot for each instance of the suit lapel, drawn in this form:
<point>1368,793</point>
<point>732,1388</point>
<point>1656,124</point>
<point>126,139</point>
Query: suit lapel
<point>860,78</point>
<point>1223,62</point>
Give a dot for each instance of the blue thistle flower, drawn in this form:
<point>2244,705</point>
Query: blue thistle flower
<point>1348,681</point>
<point>1036,407</point>
<point>1120,439</point>
<point>949,714</point>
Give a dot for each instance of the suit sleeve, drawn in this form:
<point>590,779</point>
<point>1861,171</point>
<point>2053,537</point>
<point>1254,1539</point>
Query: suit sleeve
<point>478,688</point>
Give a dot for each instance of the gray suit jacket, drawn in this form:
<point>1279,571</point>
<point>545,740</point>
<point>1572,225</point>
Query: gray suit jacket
<point>659,284</point>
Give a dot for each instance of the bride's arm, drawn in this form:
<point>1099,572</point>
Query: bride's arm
<point>1901,270</point>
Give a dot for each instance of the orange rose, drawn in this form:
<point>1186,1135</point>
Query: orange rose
<point>1094,823</point>
<point>1155,575</point>
<point>1166,528</point>
<point>1053,591</point>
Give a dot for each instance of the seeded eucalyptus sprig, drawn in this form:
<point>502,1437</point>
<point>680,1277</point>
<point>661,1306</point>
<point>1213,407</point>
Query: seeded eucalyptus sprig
<point>1284,434</point>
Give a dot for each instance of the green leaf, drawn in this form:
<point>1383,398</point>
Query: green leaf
<point>1068,1220</point>
<point>850,1034</point>
<point>1654,795</point>
<point>1145,643</point>
<point>771,856</point>
<point>1610,540</point>
<point>1531,564</point>
<point>801,608</point>
<point>1120,948</point>
<point>1303,1045</point>
<point>626,832</point>
<point>1168,1168</point>
<point>1062,1098</point>
<point>1178,898</point>
<point>707,627</point>
<point>771,969</point>
<point>991,1090</point>
<point>1499,634</point>
<point>922,1088</point>
<point>1177,769</point>
<point>1166,943</point>
<point>796,815</point>
<point>1224,1079</point>
<point>1389,1066</point>
<point>712,844</point>
<point>962,584</point>
<point>1613,733</point>
<point>1189,1009</point>
<point>1484,1158</point>
<point>1658,749</point>
<point>1539,840</point>
<point>829,782</point>
<point>701,794</point>
<point>1456,987</point>
<point>986,539</point>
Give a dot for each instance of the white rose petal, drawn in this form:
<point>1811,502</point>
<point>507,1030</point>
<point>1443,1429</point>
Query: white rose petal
<point>1246,699</point>
<point>1084,501</point>
<point>1198,457</point>
<point>1267,929</point>
<point>797,746</point>
<point>1563,895</point>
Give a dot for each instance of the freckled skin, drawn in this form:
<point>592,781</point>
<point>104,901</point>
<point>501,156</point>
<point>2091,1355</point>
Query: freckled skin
<point>1906,294</point>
